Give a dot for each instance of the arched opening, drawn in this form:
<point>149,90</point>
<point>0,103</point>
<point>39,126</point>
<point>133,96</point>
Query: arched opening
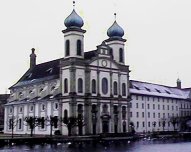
<point>80,119</point>
<point>121,55</point>
<point>79,47</point>
<point>65,85</point>
<point>111,53</point>
<point>104,86</point>
<point>124,126</point>
<point>93,86</point>
<point>115,112</point>
<point>123,89</point>
<point>94,118</point>
<point>80,85</point>
<point>67,48</point>
<point>115,88</point>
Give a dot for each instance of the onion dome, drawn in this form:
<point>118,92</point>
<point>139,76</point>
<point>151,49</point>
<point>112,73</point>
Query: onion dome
<point>115,30</point>
<point>74,20</point>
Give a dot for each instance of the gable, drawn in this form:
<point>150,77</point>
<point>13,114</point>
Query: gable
<point>104,62</point>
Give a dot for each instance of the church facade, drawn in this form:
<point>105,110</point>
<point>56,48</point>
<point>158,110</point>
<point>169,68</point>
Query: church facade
<point>93,85</point>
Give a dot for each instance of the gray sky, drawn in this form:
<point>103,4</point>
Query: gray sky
<point>158,33</point>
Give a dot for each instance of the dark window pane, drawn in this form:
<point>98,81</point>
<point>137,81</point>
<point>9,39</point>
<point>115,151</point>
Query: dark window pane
<point>79,47</point>
<point>115,88</point>
<point>67,48</point>
<point>104,86</point>
<point>123,89</point>
<point>80,85</point>
<point>93,86</point>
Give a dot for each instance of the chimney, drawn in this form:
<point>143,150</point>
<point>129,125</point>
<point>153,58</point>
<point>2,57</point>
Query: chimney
<point>32,58</point>
<point>178,82</point>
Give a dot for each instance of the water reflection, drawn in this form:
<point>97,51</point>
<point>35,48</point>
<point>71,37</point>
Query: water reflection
<point>107,146</point>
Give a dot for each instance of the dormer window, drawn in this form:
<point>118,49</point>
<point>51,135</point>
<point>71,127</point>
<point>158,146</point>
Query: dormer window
<point>50,70</point>
<point>167,91</point>
<point>158,90</point>
<point>136,87</point>
<point>147,89</point>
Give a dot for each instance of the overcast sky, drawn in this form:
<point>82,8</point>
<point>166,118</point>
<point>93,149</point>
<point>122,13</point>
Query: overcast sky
<point>158,33</point>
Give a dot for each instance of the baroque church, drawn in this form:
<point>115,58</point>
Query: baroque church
<point>91,84</point>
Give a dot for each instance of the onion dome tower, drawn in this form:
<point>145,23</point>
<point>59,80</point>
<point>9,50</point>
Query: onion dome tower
<point>74,35</point>
<point>116,42</point>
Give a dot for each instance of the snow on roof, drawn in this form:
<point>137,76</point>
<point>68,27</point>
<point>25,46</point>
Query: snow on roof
<point>145,88</point>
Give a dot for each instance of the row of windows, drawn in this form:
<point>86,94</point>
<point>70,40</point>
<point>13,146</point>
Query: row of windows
<point>154,124</point>
<point>79,47</point>
<point>158,106</point>
<point>94,87</point>
<point>137,97</point>
<point>31,108</point>
<point>154,115</point>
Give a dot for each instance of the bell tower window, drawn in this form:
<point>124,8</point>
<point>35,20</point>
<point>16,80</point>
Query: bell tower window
<point>121,55</point>
<point>80,85</point>
<point>67,48</point>
<point>79,47</point>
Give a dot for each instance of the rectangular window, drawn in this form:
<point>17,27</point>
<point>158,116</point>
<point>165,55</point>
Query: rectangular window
<point>163,107</point>
<point>137,105</point>
<point>159,123</point>
<point>167,107</point>
<point>148,106</point>
<point>153,106</point>
<point>143,98</point>
<point>131,114</point>
<point>42,123</point>
<point>143,114</point>
<point>158,107</point>
<point>142,105</point>
<point>20,123</point>
<point>55,122</point>
<point>158,115</point>
<point>172,107</point>
<point>143,124</point>
<point>137,124</point>
<point>10,123</point>
<point>149,124</point>
<point>147,98</point>
<point>153,115</point>
<point>148,114</point>
<point>137,114</point>
<point>137,97</point>
<point>163,115</point>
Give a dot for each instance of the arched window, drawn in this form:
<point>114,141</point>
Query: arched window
<point>67,48</point>
<point>80,85</point>
<point>79,47</point>
<point>115,88</point>
<point>111,52</point>
<point>65,85</point>
<point>123,89</point>
<point>93,86</point>
<point>65,113</point>
<point>121,55</point>
<point>104,86</point>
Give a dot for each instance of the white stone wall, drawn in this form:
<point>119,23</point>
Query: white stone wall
<point>159,108</point>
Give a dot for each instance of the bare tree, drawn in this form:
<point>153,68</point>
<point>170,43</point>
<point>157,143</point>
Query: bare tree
<point>72,122</point>
<point>32,122</point>
<point>12,123</point>
<point>174,121</point>
<point>163,121</point>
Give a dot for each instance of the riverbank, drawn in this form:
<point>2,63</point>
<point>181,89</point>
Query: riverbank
<point>6,139</point>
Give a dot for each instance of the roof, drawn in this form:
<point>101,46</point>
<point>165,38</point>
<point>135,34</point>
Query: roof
<point>46,71</point>
<point>151,89</point>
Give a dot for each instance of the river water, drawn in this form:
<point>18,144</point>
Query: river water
<point>122,146</point>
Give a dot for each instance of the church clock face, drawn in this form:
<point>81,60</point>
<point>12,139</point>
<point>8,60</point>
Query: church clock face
<point>104,63</point>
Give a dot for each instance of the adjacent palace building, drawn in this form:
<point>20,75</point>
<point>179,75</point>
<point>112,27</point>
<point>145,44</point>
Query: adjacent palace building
<point>94,85</point>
